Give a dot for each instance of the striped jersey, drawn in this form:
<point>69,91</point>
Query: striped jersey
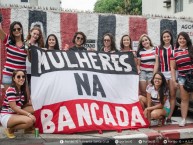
<point>183,61</point>
<point>147,58</point>
<point>164,56</point>
<point>10,96</point>
<point>16,57</point>
<point>154,96</point>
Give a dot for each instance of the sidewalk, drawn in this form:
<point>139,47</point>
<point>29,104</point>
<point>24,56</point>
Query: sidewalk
<point>146,136</point>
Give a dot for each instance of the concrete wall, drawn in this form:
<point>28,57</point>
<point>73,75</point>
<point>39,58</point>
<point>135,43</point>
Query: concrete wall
<point>65,24</point>
<point>156,7</point>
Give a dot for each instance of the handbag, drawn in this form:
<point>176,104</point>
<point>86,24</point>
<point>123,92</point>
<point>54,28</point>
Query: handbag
<point>188,84</point>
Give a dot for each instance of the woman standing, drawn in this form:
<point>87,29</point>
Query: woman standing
<point>145,62</point>
<point>126,46</point>
<point>16,53</point>
<point>52,42</point>
<point>16,111</point>
<point>35,38</point>
<point>79,39</point>
<point>157,99</point>
<point>108,43</point>
<point>163,56</point>
<point>182,61</point>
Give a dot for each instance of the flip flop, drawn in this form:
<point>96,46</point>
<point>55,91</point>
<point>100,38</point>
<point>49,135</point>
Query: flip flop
<point>9,135</point>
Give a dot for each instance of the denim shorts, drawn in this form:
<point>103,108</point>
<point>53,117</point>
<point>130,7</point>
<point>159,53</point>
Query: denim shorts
<point>6,80</point>
<point>181,80</point>
<point>145,75</point>
<point>167,75</point>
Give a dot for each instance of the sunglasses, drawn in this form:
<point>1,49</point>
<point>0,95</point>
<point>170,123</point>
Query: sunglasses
<point>158,78</point>
<point>16,29</point>
<point>79,38</point>
<point>19,77</point>
<point>106,40</point>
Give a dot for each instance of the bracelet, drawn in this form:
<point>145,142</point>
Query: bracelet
<point>28,114</point>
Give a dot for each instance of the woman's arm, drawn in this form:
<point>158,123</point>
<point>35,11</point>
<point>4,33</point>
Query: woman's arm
<point>156,66</point>
<point>147,112</point>
<point>158,106</point>
<point>135,58</point>
<point>17,109</point>
<point>2,33</point>
<point>20,111</point>
<point>138,65</point>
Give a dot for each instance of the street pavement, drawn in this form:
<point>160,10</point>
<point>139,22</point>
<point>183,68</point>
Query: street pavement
<point>167,134</point>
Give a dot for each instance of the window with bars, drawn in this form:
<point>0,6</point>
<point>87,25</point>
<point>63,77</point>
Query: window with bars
<point>24,1</point>
<point>178,6</point>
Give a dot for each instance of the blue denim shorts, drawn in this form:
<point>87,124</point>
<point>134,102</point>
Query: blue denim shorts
<point>6,80</point>
<point>181,80</point>
<point>145,76</point>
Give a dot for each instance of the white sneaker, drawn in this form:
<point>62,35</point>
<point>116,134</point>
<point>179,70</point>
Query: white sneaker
<point>182,123</point>
<point>154,122</point>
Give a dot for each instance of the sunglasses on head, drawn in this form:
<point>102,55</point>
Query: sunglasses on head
<point>16,29</point>
<point>20,76</point>
<point>107,40</point>
<point>79,38</point>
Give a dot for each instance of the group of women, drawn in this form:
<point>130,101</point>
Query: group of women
<point>156,67</point>
<point>165,67</point>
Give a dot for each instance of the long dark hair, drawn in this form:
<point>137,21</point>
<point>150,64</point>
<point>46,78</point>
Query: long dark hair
<point>162,42</point>
<point>56,47</point>
<point>12,37</point>
<point>113,46</point>
<point>163,88</point>
<point>23,87</point>
<point>189,43</point>
<point>121,42</point>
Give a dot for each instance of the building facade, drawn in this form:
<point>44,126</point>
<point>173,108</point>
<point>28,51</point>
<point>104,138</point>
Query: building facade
<point>32,3</point>
<point>172,8</point>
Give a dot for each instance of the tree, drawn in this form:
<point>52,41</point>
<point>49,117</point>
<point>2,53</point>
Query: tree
<point>119,6</point>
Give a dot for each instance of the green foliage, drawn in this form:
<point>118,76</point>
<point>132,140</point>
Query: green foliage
<point>132,7</point>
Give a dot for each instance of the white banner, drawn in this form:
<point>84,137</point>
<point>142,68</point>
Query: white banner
<point>85,91</point>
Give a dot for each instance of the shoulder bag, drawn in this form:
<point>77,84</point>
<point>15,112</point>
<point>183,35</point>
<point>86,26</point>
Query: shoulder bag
<point>188,84</point>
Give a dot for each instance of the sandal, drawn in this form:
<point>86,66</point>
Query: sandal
<point>168,121</point>
<point>161,121</point>
<point>30,130</point>
<point>9,133</point>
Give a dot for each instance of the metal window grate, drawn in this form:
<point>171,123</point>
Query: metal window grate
<point>25,1</point>
<point>178,6</point>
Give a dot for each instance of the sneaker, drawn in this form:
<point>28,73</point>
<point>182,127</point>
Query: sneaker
<point>154,122</point>
<point>9,133</point>
<point>161,121</point>
<point>182,123</point>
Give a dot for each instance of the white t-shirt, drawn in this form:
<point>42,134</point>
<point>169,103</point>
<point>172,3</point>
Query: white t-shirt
<point>154,96</point>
